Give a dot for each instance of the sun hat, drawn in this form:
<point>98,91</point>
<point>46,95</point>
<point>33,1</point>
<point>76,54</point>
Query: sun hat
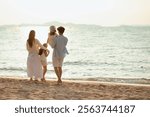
<point>52,28</point>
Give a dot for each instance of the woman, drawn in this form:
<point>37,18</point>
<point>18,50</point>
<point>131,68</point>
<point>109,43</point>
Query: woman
<point>34,67</point>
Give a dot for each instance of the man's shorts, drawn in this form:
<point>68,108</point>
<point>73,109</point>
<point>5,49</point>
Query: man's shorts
<point>57,62</point>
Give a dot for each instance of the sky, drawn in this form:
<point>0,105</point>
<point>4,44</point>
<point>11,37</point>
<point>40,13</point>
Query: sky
<point>99,12</point>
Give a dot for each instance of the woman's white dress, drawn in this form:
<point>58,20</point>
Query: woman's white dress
<point>34,66</point>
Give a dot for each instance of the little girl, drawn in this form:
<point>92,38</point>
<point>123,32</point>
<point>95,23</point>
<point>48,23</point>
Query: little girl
<point>43,54</point>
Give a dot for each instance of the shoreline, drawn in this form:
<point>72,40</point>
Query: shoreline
<point>17,88</point>
<point>139,81</point>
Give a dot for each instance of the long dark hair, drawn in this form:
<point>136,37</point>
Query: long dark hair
<point>31,38</point>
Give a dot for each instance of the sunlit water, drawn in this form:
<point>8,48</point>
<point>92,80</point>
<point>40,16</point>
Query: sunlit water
<point>94,51</point>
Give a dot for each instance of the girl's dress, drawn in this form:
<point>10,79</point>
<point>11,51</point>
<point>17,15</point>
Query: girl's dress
<point>43,59</point>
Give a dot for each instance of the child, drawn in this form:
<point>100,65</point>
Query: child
<point>43,54</point>
<point>51,35</point>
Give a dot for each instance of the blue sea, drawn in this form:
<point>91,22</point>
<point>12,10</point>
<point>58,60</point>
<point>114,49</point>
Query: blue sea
<point>94,51</point>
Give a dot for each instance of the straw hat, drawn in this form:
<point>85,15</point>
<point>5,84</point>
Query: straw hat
<point>52,28</point>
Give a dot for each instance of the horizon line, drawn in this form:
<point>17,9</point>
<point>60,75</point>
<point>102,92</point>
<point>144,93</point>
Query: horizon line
<point>71,23</point>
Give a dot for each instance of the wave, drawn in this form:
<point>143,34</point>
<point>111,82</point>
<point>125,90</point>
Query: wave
<point>138,48</point>
<point>13,69</point>
<point>81,63</point>
<point>91,63</point>
<point>16,69</point>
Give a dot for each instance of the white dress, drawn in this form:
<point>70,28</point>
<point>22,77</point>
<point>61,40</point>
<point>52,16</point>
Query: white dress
<point>34,67</point>
<point>43,59</point>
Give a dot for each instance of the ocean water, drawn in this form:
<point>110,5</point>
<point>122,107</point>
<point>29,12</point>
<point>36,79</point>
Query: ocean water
<point>94,51</point>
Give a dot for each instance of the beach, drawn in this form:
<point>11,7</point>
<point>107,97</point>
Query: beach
<point>18,88</point>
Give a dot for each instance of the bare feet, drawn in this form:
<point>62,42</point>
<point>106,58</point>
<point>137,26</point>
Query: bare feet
<point>36,81</point>
<point>31,79</point>
<point>43,80</point>
<point>59,82</point>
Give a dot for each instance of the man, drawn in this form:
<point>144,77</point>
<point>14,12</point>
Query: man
<point>59,45</point>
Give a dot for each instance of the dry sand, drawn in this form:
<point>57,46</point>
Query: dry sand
<point>23,89</point>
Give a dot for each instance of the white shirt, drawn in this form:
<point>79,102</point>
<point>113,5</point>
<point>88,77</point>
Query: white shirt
<point>59,44</point>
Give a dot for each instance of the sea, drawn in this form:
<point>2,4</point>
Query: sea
<point>94,51</point>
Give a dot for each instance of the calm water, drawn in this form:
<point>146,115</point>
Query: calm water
<point>117,52</point>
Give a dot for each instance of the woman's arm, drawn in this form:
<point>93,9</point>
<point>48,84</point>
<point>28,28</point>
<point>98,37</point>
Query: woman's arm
<point>46,53</point>
<point>41,46</point>
<point>27,46</point>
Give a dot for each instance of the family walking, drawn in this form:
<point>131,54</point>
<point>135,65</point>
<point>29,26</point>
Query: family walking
<point>37,54</point>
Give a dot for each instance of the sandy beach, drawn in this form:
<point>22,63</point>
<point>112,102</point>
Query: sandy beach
<point>22,89</point>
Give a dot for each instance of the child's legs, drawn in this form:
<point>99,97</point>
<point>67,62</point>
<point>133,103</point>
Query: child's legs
<point>44,71</point>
